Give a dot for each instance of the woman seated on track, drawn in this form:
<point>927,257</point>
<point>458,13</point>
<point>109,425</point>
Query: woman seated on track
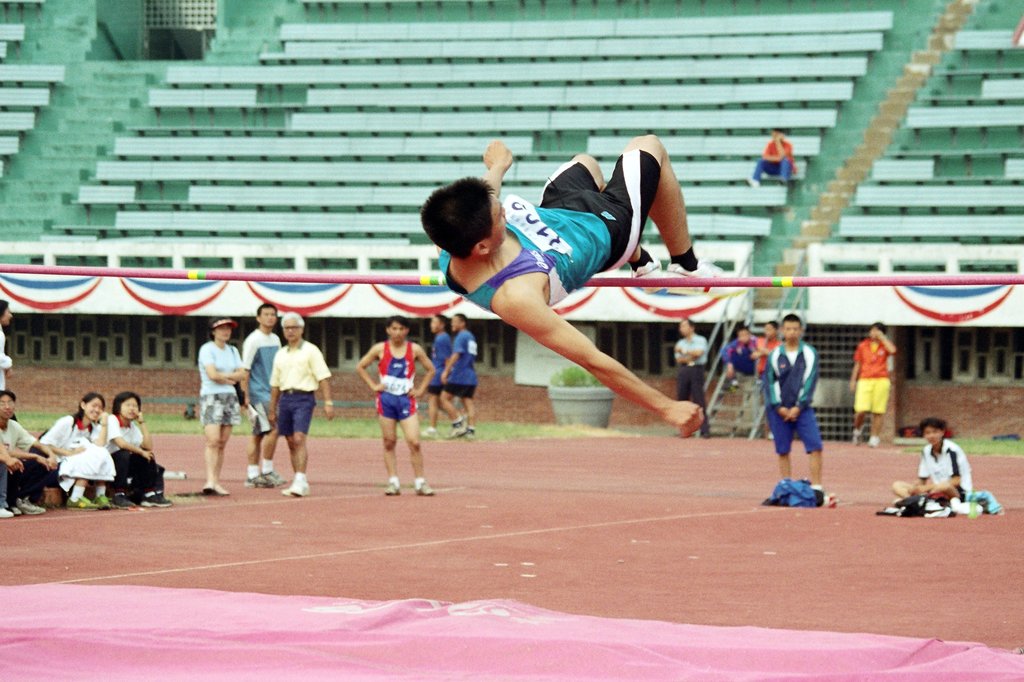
<point>131,446</point>
<point>79,441</point>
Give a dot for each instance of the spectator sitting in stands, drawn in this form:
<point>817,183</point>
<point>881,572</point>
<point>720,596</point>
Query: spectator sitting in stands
<point>15,443</point>
<point>131,446</point>
<point>79,442</point>
<point>739,356</point>
<point>776,159</point>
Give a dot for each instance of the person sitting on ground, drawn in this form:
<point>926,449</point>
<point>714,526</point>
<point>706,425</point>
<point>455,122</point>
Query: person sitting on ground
<point>79,440</point>
<point>131,446</point>
<point>395,386</point>
<point>15,453</point>
<point>738,356</point>
<point>944,470</point>
<point>518,260</point>
<point>776,159</point>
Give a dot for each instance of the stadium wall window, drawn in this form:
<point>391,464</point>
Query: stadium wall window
<point>37,350</point>
<point>102,351</point>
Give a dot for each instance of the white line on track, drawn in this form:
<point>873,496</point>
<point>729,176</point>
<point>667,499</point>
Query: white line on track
<point>418,545</point>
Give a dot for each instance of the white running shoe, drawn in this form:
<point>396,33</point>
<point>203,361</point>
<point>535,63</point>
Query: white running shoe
<point>6,513</point>
<point>429,432</point>
<point>753,183</point>
<point>296,489</point>
<point>874,442</point>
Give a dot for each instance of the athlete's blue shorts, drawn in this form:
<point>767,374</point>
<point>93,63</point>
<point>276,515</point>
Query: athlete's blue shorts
<point>806,426</point>
<point>397,407</point>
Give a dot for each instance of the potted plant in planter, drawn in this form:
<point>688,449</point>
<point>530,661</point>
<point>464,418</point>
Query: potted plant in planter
<point>577,397</point>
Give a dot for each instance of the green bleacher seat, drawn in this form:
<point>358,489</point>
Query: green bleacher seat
<point>1015,169</point>
<point>19,121</point>
<point>3,49</point>
<point>211,223</point>
<point>1,169</point>
<point>710,145</point>
<point>225,223</point>
<point>321,147</point>
<point>106,194</point>
<point>816,22</point>
<point>364,172</point>
<point>672,70</point>
<point>24,97</point>
<point>12,33</point>
<point>1003,88</point>
<point>413,196</point>
<point>393,50</point>
<point>182,98</point>
<point>578,96</point>
<point>961,117</point>
<point>942,196</point>
<point>939,227</point>
<point>522,121</point>
<point>31,73</point>
<point>903,169</point>
<point>983,40</point>
<point>8,146</point>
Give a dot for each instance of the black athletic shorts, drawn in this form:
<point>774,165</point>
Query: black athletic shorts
<point>622,205</point>
<point>435,389</point>
<point>460,390</point>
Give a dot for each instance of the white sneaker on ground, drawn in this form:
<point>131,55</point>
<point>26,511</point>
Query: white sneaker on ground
<point>6,513</point>
<point>856,437</point>
<point>429,432</point>
<point>28,508</point>
<point>874,442</point>
<point>296,489</point>
<point>753,183</point>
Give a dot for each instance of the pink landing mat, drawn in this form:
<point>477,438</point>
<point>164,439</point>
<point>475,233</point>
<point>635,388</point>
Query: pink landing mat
<point>157,633</point>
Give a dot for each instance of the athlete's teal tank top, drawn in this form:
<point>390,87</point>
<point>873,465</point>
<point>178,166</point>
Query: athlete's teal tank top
<point>570,247</point>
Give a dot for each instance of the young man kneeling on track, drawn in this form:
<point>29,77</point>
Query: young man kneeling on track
<point>517,260</point>
<point>944,470</point>
<point>397,392</point>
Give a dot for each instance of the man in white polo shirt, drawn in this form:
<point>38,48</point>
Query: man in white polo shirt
<point>298,370</point>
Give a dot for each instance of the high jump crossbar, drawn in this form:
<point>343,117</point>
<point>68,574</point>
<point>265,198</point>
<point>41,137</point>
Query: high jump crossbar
<point>438,280</point>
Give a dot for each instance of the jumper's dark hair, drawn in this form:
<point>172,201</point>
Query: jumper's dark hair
<point>446,324</point>
<point>264,306</point>
<point>9,394</point>
<point>87,398</point>
<point>880,326</point>
<point>400,319</point>
<point>120,398</point>
<point>933,422</point>
<point>793,317</point>
<point>456,217</point>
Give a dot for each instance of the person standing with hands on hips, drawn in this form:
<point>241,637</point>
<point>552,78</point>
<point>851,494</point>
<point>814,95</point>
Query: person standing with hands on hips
<point>395,386</point>
<point>299,369</point>
<point>691,353</point>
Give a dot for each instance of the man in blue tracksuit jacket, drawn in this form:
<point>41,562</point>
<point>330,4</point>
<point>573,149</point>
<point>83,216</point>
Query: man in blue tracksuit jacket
<point>790,379</point>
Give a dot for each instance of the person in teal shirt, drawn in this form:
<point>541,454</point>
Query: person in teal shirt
<point>517,260</point>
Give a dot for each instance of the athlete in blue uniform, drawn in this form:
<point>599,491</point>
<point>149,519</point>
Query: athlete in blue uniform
<point>396,398</point>
<point>440,351</point>
<point>516,259</point>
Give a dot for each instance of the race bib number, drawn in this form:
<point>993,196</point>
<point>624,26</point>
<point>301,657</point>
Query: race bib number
<point>523,215</point>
